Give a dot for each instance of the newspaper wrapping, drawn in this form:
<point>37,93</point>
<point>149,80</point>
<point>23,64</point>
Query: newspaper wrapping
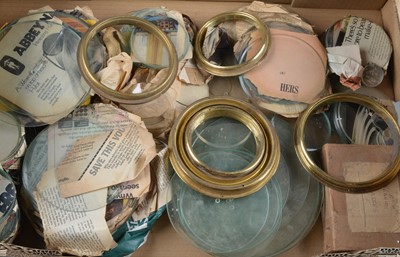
<point>35,53</point>
<point>73,142</point>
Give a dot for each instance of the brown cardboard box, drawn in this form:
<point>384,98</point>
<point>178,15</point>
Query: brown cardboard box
<point>340,4</point>
<point>355,222</point>
<point>163,241</point>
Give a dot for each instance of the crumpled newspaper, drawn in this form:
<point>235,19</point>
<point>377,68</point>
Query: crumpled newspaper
<point>117,73</point>
<point>84,13</point>
<point>126,73</point>
<point>11,250</point>
<point>345,61</point>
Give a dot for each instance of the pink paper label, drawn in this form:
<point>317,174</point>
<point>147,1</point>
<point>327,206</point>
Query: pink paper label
<point>294,68</point>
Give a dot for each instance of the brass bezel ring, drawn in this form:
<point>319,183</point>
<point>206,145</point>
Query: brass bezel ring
<point>378,182</point>
<point>111,94</point>
<point>238,69</point>
<point>197,175</point>
<point>233,113</point>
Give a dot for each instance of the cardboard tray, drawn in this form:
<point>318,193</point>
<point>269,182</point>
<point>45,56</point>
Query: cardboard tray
<point>163,240</point>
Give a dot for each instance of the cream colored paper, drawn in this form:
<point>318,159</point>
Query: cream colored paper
<point>134,188</point>
<point>158,114</point>
<point>157,198</point>
<point>181,36</point>
<point>117,73</point>
<point>66,226</point>
<point>111,41</point>
<point>287,109</point>
<point>211,41</point>
<point>345,61</point>
<point>191,93</point>
<point>163,174</point>
<point>190,74</point>
<point>86,121</point>
<point>104,160</point>
<point>146,206</point>
<point>378,211</point>
<point>262,7</point>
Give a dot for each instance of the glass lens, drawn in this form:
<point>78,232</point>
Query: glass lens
<point>147,48</point>
<point>225,226</point>
<point>172,25</point>
<point>347,138</point>
<point>128,59</point>
<point>224,144</point>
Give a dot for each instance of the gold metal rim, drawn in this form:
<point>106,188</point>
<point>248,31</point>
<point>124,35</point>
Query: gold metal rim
<point>116,96</point>
<point>209,183</point>
<point>341,185</point>
<point>238,69</point>
<point>236,114</point>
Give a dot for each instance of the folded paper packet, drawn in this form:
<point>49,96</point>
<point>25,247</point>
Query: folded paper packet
<point>353,222</point>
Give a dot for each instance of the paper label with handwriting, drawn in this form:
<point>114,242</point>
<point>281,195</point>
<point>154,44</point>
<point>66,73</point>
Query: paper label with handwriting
<point>377,211</point>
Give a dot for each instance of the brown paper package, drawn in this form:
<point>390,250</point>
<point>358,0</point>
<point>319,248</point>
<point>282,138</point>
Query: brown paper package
<point>354,222</point>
